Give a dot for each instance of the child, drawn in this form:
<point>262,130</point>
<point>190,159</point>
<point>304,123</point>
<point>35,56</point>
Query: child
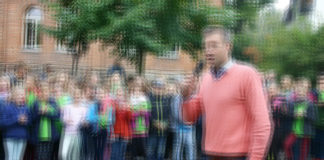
<point>318,141</point>
<point>45,129</point>
<point>183,140</point>
<point>304,114</point>
<point>122,127</point>
<point>281,120</point>
<point>31,99</point>
<point>4,93</point>
<point>116,83</point>
<point>140,123</point>
<point>159,121</point>
<point>63,99</point>
<point>4,89</point>
<point>101,117</point>
<point>89,140</point>
<point>73,117</point>
<point>15,120</point>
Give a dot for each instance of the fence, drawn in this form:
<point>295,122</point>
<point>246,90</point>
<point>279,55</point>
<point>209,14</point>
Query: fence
<point>38,69</point>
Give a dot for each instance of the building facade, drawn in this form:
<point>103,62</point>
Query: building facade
<point>21,41</point>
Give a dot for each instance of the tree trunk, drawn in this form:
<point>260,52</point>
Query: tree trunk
<point>77,65</point>
<point>141,63</point>
<point>73,61</point>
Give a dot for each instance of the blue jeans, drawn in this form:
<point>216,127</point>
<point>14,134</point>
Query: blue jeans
<point>118,149</point>
<point>14,148</point>
<point>199,135</point>
<point>156,147</point>
<point>184,140</point>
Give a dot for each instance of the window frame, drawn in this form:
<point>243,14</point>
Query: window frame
<point>172,54</point>
<point>36,36</point>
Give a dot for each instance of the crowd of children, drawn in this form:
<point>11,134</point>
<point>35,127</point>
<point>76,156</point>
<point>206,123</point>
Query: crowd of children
<point>55,116</point>
<point>298,120</point>
<point>59,117</point>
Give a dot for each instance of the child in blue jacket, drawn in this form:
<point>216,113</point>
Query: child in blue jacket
<point>4,93</point>
<point>101,118</point>
<point>15,120</point>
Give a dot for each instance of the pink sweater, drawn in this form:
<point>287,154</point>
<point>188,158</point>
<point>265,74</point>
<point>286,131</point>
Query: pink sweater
<point>237,121</point>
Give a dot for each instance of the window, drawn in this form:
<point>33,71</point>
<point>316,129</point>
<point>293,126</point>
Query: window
<point>31,28</point>
<point>61,47</point>
<point>173,54</point>
<point>60,44</point>
<point>129,52</point>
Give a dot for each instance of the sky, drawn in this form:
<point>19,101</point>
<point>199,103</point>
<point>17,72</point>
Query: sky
<point>281,4</point>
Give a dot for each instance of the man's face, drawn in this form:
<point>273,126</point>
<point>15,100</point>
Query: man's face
<point>216,49</point>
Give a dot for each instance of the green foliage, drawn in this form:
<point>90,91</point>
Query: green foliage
<point>296,49</point>
<point>243,14</point>
<point>139,27</point>
<point>134,27</point>
<point>76,22</point>
<point>154,27</point>
<point>246,11</point>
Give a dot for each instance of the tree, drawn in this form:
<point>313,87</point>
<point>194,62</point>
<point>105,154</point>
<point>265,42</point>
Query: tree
<point>296,49</point>
<point>143,27</point>
<point>76,23</point>
<point>245,13</point>
<point>134,27</point>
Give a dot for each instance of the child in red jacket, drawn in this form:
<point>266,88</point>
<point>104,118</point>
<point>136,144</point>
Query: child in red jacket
<point>122,127</point>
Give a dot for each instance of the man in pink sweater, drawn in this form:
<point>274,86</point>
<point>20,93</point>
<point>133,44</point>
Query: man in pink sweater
<point>237,123</point>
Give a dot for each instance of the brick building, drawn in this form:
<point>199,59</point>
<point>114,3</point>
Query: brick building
<point>21,41</point>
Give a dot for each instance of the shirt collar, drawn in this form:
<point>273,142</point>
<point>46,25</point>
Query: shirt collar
<point>217,75</point>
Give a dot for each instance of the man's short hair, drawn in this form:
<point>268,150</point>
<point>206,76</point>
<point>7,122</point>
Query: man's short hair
<point>219,29</point>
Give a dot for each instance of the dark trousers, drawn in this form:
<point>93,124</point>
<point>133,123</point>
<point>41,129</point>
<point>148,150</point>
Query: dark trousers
<point>100,144</point>
<point>2,154</point>
<point>225,158</point>
<point>93,145</point>
<point>30,152</point>
<point>138,147</point>
<point>85,146</point>
<point>156,147</point>
<point>56,148</point>
<point>118,149</point>
<point>44,150</point>
<point>297,148</point>
<point>318,144</point>
<point>277,144</point>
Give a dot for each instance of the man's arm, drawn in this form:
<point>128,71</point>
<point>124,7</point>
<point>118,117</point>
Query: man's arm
<point>191,107</point>
<point>260,116</point>
<point>191,110</point>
